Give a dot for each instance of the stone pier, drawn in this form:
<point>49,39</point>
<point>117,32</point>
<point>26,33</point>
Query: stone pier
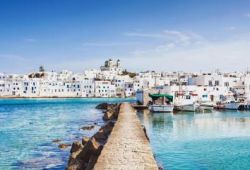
<point>127,147</point>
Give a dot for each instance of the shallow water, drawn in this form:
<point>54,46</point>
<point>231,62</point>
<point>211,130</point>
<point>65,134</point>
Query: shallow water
<point>218,140</point>
<point>28,127</point>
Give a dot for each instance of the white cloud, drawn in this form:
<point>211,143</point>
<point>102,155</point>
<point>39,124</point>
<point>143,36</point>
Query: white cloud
<point>192,52</point>
<point>170,37</point>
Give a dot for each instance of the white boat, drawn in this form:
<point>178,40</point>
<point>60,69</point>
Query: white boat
<point>185,100</point>
<point>231,105</point>
<point>161,103</point>
<point>206,106</point>
<point>161,108</point>
<point>187,107</point>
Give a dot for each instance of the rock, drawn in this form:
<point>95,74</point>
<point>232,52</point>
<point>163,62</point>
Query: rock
<point>76,146</point>
<point>91,162</point>
<point>92,147</point>
<point>85,140</point>
<point>96,147</point>
<point>100,137</point>
<point>102,106</point>
<point>107,128</point>
<point>107,116</point>
<point>75,164</point>
<point>56,140</point>
<point>90,127</point>
<point>63,145</point>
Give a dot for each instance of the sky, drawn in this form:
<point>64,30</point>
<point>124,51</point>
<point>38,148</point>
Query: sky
<point>161,35</point>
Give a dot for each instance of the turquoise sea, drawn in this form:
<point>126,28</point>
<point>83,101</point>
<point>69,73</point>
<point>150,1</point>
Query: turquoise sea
<point>28,127</point>
<point>217,141</point>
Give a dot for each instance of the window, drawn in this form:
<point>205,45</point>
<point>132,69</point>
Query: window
<point>204,96</point>
<point>226,84</point>
<point>210,83</point>
<point>217,83</point>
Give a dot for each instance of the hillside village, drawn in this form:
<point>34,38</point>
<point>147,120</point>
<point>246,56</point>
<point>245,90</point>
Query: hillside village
<point>111,80</point>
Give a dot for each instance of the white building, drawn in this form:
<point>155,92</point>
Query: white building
<point>104,89</point>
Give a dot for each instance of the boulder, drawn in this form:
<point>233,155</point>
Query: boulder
<point>75,164</point>
<point>108,116</point>
<point>85,140</point>
<point>102,106</point>
<point>76,146</point>
<point>107,128</point>
<point>96,147</point>
<point>100,137</point>
<point>91,163</point>
<point>90,127</point>
<point>64,145</point>
<point>92,147</point>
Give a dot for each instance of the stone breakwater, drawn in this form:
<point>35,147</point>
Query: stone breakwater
<point>84,154</point>
<point>120,144</point>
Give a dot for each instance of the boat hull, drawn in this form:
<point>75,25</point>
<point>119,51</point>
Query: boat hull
<point>187,107</point>
<point>232,106</point>
<point>229,106</point>
<point>206,107</point>
<point>161,108</point>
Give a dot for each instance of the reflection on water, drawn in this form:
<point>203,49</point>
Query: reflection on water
<point>218,140</point>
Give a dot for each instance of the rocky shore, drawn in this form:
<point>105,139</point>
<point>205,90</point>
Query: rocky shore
<point>84,154</point>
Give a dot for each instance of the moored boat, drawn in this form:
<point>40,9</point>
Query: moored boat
<point>161,108</point>
<point>229,105</point>
<point>187,107</point>
<point>206,106</point>
<point>161,103</point>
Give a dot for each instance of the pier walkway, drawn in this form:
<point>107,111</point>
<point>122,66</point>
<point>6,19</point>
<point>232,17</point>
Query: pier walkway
<point>127,147</point>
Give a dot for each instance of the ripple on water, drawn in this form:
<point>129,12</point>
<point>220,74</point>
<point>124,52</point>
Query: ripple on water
<point>28,127</point>
<point>218,140</point>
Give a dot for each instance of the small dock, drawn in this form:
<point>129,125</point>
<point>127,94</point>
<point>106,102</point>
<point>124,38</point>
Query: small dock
<point>127,147</point>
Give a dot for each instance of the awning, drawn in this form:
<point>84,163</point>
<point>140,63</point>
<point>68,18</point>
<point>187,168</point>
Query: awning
<point>158,95</point>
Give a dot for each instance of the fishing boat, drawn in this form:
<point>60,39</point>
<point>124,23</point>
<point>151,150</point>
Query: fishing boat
<point>228,105</point>
<point>206,106</point>
<point>161,103</point>
<point>188,107</point>
<point>185,100</point>
<point>232,105</point>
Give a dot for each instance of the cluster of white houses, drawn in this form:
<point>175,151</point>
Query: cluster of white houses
<point>112,81</point>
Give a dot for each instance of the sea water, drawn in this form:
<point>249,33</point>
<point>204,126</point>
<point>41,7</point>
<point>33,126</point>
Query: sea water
<point>217,140</point>
<point>28,127</point>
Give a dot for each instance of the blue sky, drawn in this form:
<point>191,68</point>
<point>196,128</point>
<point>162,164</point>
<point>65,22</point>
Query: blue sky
<point>159,35</point>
